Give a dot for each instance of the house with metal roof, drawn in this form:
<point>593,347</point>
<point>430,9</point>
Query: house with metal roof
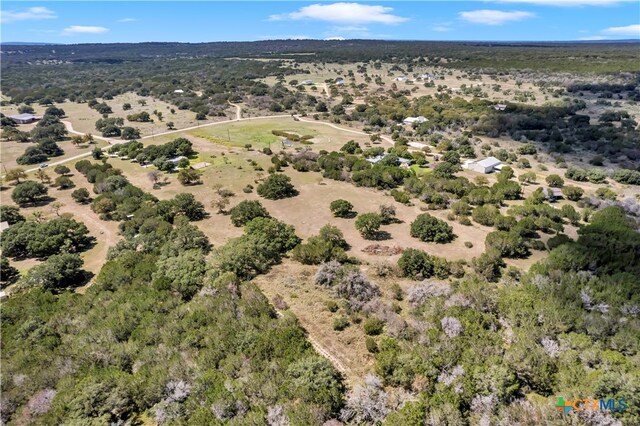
<point>24,118</point>
<point>487,165</point>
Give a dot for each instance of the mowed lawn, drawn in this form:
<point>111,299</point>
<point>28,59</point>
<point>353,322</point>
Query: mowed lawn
<point>259,134</point>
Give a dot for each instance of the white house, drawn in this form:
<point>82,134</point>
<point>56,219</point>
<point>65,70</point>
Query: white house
<point>500,107</point>
<point>410,120</point>
<point>427,77</point>
<point>176,160</point>
<point>178,91</point>
<point>401,78</point>
<point>487,165</point>
<point>307,82</point>
<point>417,145</point>
<point>24,118</point>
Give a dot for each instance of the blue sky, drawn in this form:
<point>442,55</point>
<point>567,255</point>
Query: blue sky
<point>201,21</point>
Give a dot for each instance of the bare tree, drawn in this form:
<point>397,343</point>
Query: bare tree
<point>43,176</point>
<point>154,176</point>
<point>220,204</point>
<point>55,207</point>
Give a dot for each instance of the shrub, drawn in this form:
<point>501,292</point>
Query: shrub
<point>508,244</point>
<point>606,194</point>
<point>327,273</point>
<point>431,229</point>
<point>356,288</point>
<point>373,326</point>
<point>573,193</point>
<point>371,345</point>
<point>387,214</point>
<point>340,323</point>
<point>400,196</point>
<point>28,192</point>
<point>328,245</point>
<point>277,186</point>
<point>554,181</point>
<point>368,224</point>
<point>188,176</point>
<point>10,214</point>
<point>246,211</point>
<point>416,264</point>
<point>81,196</point>
<point>341,208</point>
<point>331,305</point>
<point>63,182</point>
<point>485,215</point>
<point>629,177</point>
<point>488,265</point>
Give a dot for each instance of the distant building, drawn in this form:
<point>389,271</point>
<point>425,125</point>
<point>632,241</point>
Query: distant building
<point>412,120</point>
<point>401,78</point>
<point>339,81</point>
<point>24,118</point>
<point>487,165</point>
<point>176,160</point>
<point>417,145</point>
<point>201,165</point>
<point>374,160</point>
<point>178,91</point>
<point>553,194</point>
<point>500,107</point>
<point>307,82</point>
<point>427,77</point>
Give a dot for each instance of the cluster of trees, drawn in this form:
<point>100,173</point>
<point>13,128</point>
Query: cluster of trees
<point>117,199</point>
<point>154,302</point>
<point>576,312</point>
<point>43,239</point>
<point>158,155</point>
<point>48,131</point>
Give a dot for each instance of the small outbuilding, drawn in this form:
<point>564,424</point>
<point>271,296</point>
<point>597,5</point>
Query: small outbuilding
<point>500,107</point>
<point>178,91</point>
<point>307,82</point>
<point>24,118</point>
<point>419,120</point>
<point>417,145</point>
<point>487,165</point>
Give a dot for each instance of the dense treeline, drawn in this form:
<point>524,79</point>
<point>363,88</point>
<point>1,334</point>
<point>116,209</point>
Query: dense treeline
<point>161,333</point>
<point>538,56</point>
<point>480,353</point>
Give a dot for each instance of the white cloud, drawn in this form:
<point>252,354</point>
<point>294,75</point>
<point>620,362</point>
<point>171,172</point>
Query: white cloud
<point>593,38</point>
<point>83,29</point>
<point>494,17</point>
<point>30,14</point>
<point>127,20</point>
<point>442,27</point>
<point>351,28</point>
<point>629,30</point>
<point>568,3</point>
<point>343,13</point>
<point>335,38</point>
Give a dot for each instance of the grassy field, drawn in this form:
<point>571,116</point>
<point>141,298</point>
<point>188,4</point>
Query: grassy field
<point>259,134</point>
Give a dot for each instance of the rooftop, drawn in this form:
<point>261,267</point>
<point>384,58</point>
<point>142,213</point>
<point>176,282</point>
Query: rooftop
<point>23,116</point>
<point>489,162</point>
